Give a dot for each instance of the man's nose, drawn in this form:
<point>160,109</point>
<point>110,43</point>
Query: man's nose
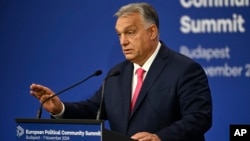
<point>123,40</point>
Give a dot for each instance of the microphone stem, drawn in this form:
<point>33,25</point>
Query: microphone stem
<point>102,95</point>
<point>39,112</point>
<point>62,91</point>
<point>98,115</point>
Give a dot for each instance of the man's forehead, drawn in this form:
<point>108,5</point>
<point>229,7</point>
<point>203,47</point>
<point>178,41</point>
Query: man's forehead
<point>124,27</point>
<point>127,21</point>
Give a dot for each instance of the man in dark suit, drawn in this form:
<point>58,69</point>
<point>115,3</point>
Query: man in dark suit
<point>174,101</point>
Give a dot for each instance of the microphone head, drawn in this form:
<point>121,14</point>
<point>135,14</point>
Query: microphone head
<point>116,73</point>
<point>98,72</point>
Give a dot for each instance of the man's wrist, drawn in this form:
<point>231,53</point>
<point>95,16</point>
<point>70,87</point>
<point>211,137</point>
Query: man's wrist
<point>60,115</point>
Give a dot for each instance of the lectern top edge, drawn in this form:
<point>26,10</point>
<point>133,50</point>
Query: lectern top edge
<point>65,121</point>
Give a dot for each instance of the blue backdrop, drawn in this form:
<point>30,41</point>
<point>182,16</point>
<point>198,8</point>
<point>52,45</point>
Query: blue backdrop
<point>57,43</point>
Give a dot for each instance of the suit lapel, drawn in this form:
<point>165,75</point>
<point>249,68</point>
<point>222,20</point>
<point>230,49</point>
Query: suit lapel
<point>126,89</point>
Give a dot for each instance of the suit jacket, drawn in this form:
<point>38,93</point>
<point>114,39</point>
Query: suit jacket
<point>174,101</point>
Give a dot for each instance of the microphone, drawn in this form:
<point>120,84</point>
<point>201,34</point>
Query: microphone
<point>39,112</point>
<point>116,73</point>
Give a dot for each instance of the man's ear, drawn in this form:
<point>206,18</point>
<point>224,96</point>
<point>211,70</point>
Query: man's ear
<point>154,31</point>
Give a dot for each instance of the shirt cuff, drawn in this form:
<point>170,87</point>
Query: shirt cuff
<point>60,115</point>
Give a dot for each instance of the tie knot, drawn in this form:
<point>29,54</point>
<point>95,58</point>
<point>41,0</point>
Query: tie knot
<point>140,72</point>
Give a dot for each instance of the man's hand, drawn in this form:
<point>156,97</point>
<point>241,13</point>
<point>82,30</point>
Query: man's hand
<point>145,136</point>
<point>54,105</point>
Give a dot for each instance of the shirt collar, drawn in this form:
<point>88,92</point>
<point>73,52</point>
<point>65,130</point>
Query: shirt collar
<point>150,60</point>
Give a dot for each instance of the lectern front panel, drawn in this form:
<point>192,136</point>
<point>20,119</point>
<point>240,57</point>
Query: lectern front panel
<point>58,130</point>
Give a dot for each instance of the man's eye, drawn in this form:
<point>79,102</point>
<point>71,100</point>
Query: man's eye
<point>130,32</point>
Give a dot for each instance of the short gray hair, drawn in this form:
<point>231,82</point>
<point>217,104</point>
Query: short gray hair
<point>147,12</point>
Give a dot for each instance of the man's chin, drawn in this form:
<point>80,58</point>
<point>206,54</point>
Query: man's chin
<point>129,57</point>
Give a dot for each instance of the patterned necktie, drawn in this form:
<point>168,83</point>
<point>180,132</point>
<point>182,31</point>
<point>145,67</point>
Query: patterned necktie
<point>139,73</point>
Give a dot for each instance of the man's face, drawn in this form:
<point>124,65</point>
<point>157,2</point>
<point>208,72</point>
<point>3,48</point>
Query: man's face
<point>135,38</point>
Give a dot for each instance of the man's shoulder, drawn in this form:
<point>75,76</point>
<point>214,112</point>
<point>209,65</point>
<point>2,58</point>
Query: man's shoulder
<point>178,60</point>
<point>122,66</point>
<point>174,55</point>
